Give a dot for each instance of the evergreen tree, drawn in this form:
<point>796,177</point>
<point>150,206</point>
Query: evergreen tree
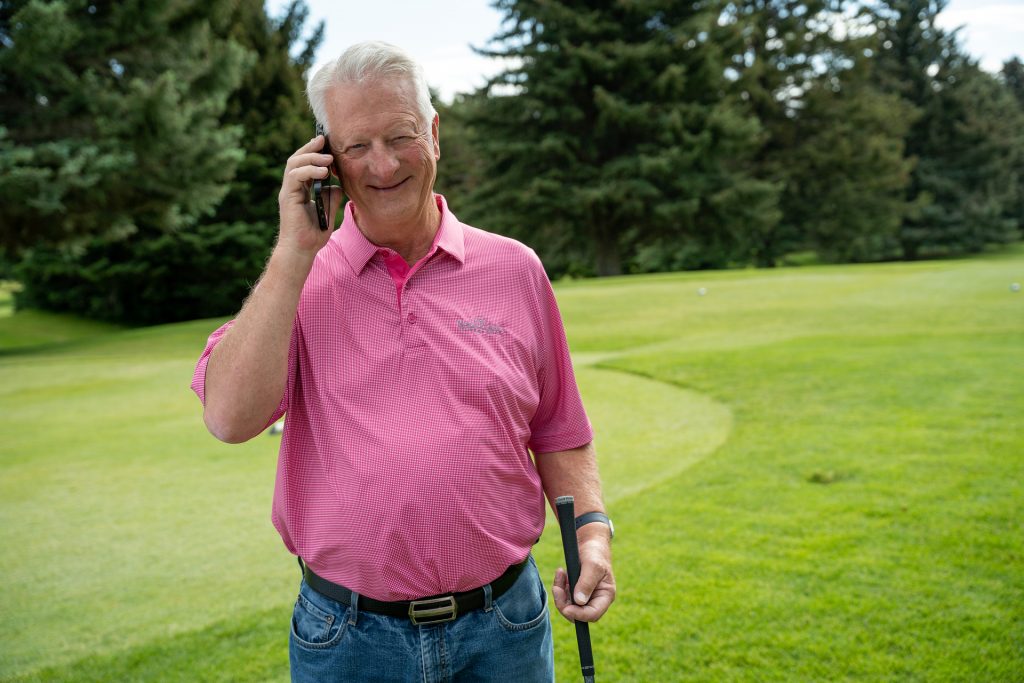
<point>110,117</point>
<point>1013,77</point>
<point>607,142</point>
<point>460,169</point>
<point>832,144</point>
<point>270,106</point>
<point>846,172</point>
<point>966,140</point>
<point>203,267</point>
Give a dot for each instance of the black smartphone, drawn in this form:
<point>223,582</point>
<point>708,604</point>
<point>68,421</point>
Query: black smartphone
<point>318,185</point>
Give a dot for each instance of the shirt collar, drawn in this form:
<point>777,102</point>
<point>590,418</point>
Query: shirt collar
<point>358,250</point>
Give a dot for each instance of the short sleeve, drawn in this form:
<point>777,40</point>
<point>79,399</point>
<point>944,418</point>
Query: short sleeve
<point>560,422</point>
<point>199,375</point>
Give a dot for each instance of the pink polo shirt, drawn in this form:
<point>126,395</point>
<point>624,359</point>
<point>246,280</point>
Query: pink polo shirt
<point>413,401</point>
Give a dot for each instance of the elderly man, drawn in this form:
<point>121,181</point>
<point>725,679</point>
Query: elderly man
<point>420,361</point>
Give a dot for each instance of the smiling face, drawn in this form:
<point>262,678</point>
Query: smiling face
<point>386,153</point>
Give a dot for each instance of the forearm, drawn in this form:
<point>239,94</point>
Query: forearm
<point>572,473</point>
<point>247,370</point>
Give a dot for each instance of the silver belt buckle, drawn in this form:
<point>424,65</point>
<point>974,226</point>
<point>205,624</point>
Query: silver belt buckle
<point>433,611</point>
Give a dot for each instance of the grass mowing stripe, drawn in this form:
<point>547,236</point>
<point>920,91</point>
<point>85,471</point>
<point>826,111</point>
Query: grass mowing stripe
<point>675,429</point>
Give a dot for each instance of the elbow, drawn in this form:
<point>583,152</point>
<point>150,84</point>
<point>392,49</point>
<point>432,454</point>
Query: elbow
<point>227,430</point>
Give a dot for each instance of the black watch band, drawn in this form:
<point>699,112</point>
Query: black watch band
<point>588,517</point>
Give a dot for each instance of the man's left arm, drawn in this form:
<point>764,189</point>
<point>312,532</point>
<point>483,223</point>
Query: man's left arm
<point>574,473</point>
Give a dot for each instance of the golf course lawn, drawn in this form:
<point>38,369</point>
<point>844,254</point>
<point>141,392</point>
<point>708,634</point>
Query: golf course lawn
<point>816,474</point>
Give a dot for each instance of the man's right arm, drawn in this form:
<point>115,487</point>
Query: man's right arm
<point>247,370</point>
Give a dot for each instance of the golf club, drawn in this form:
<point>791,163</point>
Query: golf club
<point>567,523</point>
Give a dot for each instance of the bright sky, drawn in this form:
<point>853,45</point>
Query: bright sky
<point>438,34</point>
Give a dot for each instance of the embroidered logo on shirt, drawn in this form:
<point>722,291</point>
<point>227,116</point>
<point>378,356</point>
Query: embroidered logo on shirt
<point>480,325</point>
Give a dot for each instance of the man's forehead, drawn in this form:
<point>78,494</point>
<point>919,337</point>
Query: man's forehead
<point>352,107</point>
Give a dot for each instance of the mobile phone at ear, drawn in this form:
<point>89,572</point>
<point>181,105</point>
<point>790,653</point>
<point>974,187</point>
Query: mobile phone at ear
<point>318,185</point>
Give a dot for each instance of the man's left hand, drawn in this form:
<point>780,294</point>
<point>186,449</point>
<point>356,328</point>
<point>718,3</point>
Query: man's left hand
<point>595,589</point>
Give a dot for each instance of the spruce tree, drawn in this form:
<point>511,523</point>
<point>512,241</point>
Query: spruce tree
<point>607,142</point>
<point>110,117</point>
<point>966,140</point>
<point>205,266</point>
<point>1013,78</point>
<point>270,106</point>
<point>832,144</point>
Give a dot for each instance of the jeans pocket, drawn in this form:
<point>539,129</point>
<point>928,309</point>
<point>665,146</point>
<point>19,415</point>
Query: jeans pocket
<point>525,604</point>
<point>316,626</point>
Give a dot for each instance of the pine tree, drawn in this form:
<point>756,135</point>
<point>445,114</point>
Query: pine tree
<point>966,140</point>
<point>846,172</point>
<point>1013,77</point>
<point>460,169</point>
<point>270,106</point>
<point>110,117</point>
<point>607,142</point>
<point>205,266</point>
<point>832,144</point>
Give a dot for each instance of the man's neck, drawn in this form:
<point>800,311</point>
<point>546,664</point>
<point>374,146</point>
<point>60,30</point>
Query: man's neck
<point>411,240</point>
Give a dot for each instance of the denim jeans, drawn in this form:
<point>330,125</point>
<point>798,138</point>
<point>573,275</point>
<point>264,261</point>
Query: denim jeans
<point>508,639</point>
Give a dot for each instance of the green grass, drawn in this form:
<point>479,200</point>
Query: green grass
<point>816,474</point>
<point>29,329</point>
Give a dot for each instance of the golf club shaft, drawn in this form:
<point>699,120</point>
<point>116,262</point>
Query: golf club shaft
<point>567,524</point>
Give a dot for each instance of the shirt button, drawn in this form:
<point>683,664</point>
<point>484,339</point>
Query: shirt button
<point>412,318</point>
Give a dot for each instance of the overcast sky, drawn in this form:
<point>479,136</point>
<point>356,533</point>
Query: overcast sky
<point>438,34</point>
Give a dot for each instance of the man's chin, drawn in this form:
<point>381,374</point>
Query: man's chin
<point>390,209</point>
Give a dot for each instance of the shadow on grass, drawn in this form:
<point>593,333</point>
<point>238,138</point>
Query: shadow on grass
<point>251,648</point>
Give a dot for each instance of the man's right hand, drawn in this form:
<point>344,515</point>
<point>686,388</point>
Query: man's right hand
<point>300,231</point>
<point>246,376</point>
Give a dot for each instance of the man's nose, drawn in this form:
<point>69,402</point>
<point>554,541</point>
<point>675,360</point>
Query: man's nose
<point>383,161</point>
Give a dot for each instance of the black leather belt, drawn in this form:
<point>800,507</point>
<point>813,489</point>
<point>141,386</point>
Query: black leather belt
<point>432,610</point>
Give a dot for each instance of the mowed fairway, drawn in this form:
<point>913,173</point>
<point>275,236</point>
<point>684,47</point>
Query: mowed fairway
<point>816,474</point>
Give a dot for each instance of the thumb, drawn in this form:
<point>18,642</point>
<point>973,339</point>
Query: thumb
<point>589,578</point>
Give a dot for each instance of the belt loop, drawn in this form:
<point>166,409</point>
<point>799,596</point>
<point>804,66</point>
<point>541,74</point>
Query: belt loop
<point>302,567</point>
<point>353,609</point>
<point>487,598</point>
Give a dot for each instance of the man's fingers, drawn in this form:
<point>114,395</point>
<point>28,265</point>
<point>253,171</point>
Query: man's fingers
<point>304,174</point>
<point>599,595</point>
<point>560,591</point>
<point>309,159</point>
<point>315,144</point>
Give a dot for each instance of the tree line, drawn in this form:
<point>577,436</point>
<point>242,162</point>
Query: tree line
<point>142,144</point>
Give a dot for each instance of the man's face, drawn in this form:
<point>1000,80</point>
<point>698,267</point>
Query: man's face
<point>387,155</point>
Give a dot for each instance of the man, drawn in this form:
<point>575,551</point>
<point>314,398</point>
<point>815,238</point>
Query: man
<point>420,361</point>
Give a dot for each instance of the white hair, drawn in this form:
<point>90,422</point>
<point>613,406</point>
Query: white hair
<point>372,60</point>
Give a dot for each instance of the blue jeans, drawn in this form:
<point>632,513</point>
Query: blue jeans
<point>508,639</point>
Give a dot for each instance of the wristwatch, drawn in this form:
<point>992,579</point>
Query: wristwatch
<point>588,517</point>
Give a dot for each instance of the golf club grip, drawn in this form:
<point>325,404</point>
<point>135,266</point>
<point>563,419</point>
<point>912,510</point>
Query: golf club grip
<point>566,507</point>
<point>567,523</point>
